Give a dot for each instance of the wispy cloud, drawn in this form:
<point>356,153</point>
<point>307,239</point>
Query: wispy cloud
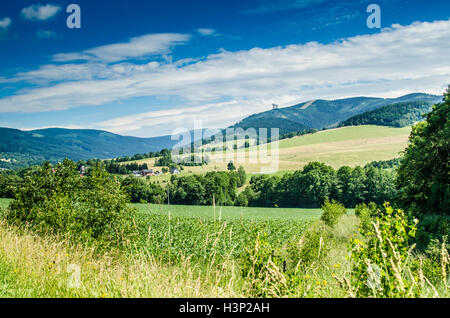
<point>5,23</point>
<point>137,47</point>
<point>206,32</point>
<point>38,12</point>
<point>266,6</point>
<point>396,61</point>
<point>44,34</point>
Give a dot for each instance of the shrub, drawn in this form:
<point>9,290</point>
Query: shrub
<point>56,200</point>
<point>261,268</point>
<point>332,211</point>
<point>431,227</point>
<point>312,248</point>
<point>366,213</point>
<point>380,263</point>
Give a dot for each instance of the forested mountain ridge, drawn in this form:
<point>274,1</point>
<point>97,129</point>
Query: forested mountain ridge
<point>324,113</point>
<point>21,148</point>
<point>394,115</point>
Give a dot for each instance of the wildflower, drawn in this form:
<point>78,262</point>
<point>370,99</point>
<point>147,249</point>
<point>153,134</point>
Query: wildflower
<point>324,283</point>
<point>67,254</point>
<point>337,265</point>
<point>307,276</point>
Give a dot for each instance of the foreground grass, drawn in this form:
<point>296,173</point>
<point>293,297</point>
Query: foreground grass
<point>177,257</point>
<point>33,266</point>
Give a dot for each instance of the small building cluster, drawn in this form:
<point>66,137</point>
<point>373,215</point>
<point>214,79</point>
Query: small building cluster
<point>152,173</point>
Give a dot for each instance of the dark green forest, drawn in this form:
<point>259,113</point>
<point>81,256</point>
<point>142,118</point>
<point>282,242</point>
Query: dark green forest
<point>394,115</point>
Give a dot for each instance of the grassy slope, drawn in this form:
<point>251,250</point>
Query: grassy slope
<point>336,147</point>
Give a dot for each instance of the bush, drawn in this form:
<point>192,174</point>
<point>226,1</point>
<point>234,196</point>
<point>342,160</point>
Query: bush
<point>56,200</point>
<point>261,268</point>
<point>380,264</point>
<point>431,227</point>
<point>366,214</point>
<point>312,248</point>
<point>332,211</point>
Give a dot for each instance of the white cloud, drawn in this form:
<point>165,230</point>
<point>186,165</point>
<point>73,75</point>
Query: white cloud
<point>5,23</point>
<point>206,32</point>
<point>43,34</point>
<point>137,47</point>
<point>397,61</point>
<point>38,12</point>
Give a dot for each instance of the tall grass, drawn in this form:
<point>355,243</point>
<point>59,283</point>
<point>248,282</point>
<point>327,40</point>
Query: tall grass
<point>34,266</point>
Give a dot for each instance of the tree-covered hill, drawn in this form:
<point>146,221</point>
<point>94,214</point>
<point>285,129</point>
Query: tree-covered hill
<point>21,148</point>
<point>394,115</point>
<point>324,113</point>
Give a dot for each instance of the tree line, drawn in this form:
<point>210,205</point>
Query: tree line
<point>310,187</point>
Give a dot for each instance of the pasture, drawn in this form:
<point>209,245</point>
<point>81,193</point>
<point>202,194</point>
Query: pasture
<point>350,146</point>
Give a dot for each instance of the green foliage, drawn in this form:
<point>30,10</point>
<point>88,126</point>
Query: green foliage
<point>231,166</point>
<point>332,212</point>
<point>379,268</point>
<point>201,189</point>
<point>142,191</point>
<point>57,200</point>
<point>424,172</point>
<point>366,214</point>
<point>261,269</point>
<point>9,182</point>
<point>310,187</point>
<point>385,164</point>
<point>395,115</point>
<point>431,228</point>
<point>242,177</point>
<point>311,249</point>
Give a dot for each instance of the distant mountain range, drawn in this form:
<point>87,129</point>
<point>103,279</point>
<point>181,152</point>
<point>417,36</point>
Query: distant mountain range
<point>22,148</point>
<point>320,114</point>
<point>19,148</point>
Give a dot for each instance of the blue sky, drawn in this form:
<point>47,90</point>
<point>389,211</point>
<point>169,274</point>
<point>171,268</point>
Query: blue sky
<point>145,68</point>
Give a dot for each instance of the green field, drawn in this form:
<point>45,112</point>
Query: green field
<point>225,213</point>
<point>230,212</point>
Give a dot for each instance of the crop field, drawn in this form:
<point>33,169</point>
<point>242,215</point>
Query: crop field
<point>350,146</point>
<point>226,213</point>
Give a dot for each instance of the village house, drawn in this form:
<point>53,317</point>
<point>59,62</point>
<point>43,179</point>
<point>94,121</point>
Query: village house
<point>147,172</point>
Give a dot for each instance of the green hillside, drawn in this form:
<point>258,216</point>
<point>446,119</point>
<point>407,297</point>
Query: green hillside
<point>394,115</point>
<point>323,113</point>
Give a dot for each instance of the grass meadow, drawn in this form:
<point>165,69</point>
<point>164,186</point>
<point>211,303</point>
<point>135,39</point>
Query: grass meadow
<point>350,146</point>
